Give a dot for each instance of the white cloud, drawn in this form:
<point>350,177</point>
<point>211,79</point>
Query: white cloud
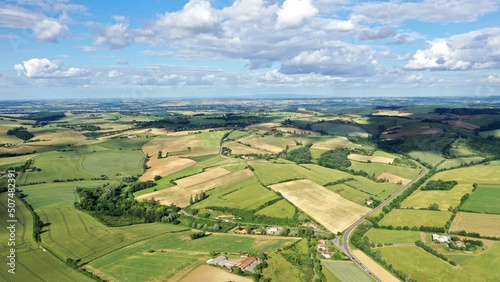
<point>88,49</point>
<point>164,53</point>
<point>116,35</point>
<point>294,12</point>
<point>493,78</point>
<point>114,73</point>
<point>50,30</point>
<point>473,50</point>
<point>44,68</point>
<point>249,10</point>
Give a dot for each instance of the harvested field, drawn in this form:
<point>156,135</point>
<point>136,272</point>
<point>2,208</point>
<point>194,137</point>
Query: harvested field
<point>180,196</point>
<point>484,224</point>
<point>325,206</point>
<point>373,159</point>
<point>201,177</point>
<point>213,274</point>
<point>240,149</point>
<point>462,124</point>
<point>268,143</point>
<point>378,270</point>
<point>393,178</point>
<point>265,126</point>
<point>392,114</point>
<point>168,144</point>
<point>165,166</point>
<point>297,130</point>
<point>411,131</point>
<point>334,143</point>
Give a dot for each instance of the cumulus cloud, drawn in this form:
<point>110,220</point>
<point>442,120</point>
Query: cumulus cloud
<point>49,30</point>
<point>493,78</point>
<point>114,73</point>
<point>249,10</point>
<point>426,10</point>
<point>116,35</point>
<point>473,50</point>
<point>294,12</point>
<point>45,68</point>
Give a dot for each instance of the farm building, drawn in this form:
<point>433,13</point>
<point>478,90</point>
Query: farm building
<point>310,224</point>
<point>326,254</point>
<point>321,247</point>
<point>217,260</point>
<point>460,244</point>
<point>273,229</point>
<point>322,241</point>
<point>441,238</point>
<point>247,263</point>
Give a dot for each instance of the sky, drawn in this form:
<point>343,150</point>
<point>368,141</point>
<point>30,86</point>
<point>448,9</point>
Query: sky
<point>222,48</point>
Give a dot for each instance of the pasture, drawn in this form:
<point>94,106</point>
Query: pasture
<point>384,236</point>
<point>245,193</point>
<point>349,193</point>
<point>280,270</point>
<point>165,166</point>
<point>346,271</point>
<point>342,129</point>
<point>325,206</point>
<point>484,224</point>
<point>379,168</point>
<point>378,190</point>
<point>423,266</point>
<point>484,266</point>
<point>486,198</point>
<point>445,199</point>
<point>280,209</point>
<point>180,196</point>
<point>456,162</point>
<point>430,157</point>
<point>174,252</point>
<point>409,217</point>
<point>480,174</point>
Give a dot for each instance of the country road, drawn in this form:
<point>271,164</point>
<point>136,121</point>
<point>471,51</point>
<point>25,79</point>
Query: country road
<point>345,240</point>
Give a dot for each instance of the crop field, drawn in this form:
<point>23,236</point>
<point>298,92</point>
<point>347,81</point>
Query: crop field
<point>174,252</point>
<point>403,217</point>
<point>450,163</point>
<point>484,266</point>
<point>379,168</point>
<point>220,161</point>
<point>340,129</point>
<point>379,153</point>
<point>246,193</point>
<point>329,143</point>
<point>378,270</point>
<point>112,162</point>
<point>211,139</point>
<point>270,173</point>
<point>201,177</point>
<point>13,161</point>
<point>480,174</point>
<point>484,199</point>
<point>209,273</point>
<point>180,196</point>
<point>423,266</point>
<point>460,152</point>
<point>385,236</point>
<point>173,144</point>
<point>430,157</point>
<point>32,262</point>
<point>385,176</point>
<point>349,193</point>
<point>280,209</point>
<point>236,134</point>
<point>327,207</point>
<point>346,271</point>
<point>165,166</point>
<point>164,182</point>
<point>411,131</point>
<point>445,199</point>
<point>484,224</point>
<point>240,149</point>
<point>267,143</point>
<point>379,190</point>
<point>373,159</point>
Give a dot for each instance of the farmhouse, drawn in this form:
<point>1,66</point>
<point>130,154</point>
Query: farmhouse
<point>326,254</point>
<point>322,241</point>
<point>310,224</point>
<point>321,247</point>
<point>273,229</point>
<point>369,202</point>
<point>441,238</point>
<point>247,263</point>
<point>460,244</point>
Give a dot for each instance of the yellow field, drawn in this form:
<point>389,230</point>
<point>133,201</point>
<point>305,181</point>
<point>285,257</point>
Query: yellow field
<point>394,178</point>
<point>201,177</point>
<point>239,149</point>
<point>375,267</point>
<point>15,160</point>
<point>180,195</point>
<point>166,144</point>
<point>445,199</point>
<point>373,159</point>
<point>165,166</point>
<point>392,113</point>
<point>334,143</point>
<point>54,138</point>
<point>480,174</point>
<point>212,274</point>
<point>484,224</point>
<point>260,143</point>
<point>325,206</point>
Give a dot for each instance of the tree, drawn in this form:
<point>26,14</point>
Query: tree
<point>159,154</point>
<point>434,206</point>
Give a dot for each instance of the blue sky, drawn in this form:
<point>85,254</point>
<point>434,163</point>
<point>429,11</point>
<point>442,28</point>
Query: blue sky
<point>223,48</point>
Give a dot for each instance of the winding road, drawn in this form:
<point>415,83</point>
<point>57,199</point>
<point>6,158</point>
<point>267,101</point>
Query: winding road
<point>345,240</point>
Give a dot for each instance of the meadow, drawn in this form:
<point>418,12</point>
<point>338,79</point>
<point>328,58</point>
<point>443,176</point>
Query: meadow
<point>430,157</point>
<point>484,266</point>
<point>479,174</point>
<point>456,162</point>
<point>379,168</point>
<point>409,217</point>
<point>280,209</point>
<point>445,199</point>
<point>385,236</point>
<point>486,198</point>
<point>346,271</point>
<point>341,129</point>
<point>280,270</point>
<point>350,193</point>
<point>484,224</point>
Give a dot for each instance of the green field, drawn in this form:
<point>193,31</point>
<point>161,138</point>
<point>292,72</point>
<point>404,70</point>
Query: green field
<point>245,194</point>
<point>409,217</point>
<point>484,266</point>
<point>445,199</point>
<point>349,193</point>
<point>430,157</point>
<point>340,129</point>
<point>422,266</point>
<point>480,174</point>
<point>385,236</point>
<point>280,270</point>
<point>379,168</point>
<point>211,139</point>
<point>32,262</point>
<point>165,181</point>
<point>379,153</point>
<point>281,209</point>
<point>379,190</point>
<point>173,252</point>
<point>456,162</point>
<point>346,271</point>
<point>484,199</point>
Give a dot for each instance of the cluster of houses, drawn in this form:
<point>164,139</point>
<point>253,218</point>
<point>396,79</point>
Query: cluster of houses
<point>245,262</point>
<point>322,249</point>
<point>446,239</point>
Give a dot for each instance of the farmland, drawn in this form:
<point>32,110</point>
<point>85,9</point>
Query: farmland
<point>328,208</point>
<point>484,224</point>
<point>485,198</point>
<point>444,199</point>
<point>384,236</point>
<point>406,217</point>
<point>346,271</point>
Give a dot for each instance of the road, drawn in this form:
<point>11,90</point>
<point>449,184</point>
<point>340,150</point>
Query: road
<point>345,240</point>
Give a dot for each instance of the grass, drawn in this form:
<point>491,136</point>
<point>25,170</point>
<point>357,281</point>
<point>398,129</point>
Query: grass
<point>445,199</point>
<point>483,199</point>
<point>403,217</point>
<point>349,193</point>
<point>483,267</point>
<point>247,193</point>
<point>430,157</point>
<point>114,162</point>
<point>346,271</point>
<point>379,168</point>
<point>379,190</point>
<point>211,139</point>
<point>32,262</point>
<point>280,270</point>
<point>174,252</point>
<point>385,236</point>
<point>484,224</point>
<point>281,209</point>
<point>165,181</point>
<point>236,134</point>
<point>340,129</point>
<point>422,266</point>
<point>451,163</point>
<point>480,174</point>
<point>379,153</point>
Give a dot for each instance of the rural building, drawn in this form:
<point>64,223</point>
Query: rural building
<point>326,254</point>
<point>216,260</point>
<point>273,229</point>
<point>321,247</point>
<point>322,241</point>
<point>369,202</point>
<point>227,263</point>
<point>441,238</point>
<point>310,224</point>
<point>460,244</point>
<point>247,263</point>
